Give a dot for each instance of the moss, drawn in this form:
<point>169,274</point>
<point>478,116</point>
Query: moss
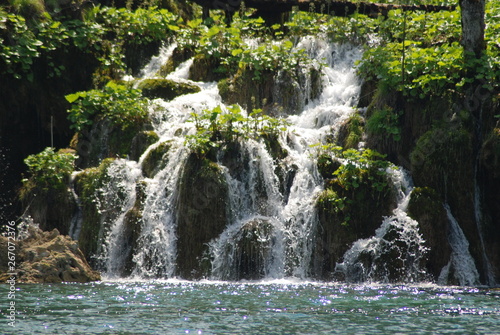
<point>178,56</point>
<point>273,146</point>
<point>248,92</point>
<point>442,155</point>
<point>165,88</point>
<point>252,250</point>
<point>132,228</point>
<point>347,215</point>
<point>490,153</point>
<point>29,9</point>
<point>86,185</point>
<point>156,159</point>
<point>351,132</point>
<point>120,140</point>
<point>141,141</point>
<point>327,166</point>
<point>206,69</point>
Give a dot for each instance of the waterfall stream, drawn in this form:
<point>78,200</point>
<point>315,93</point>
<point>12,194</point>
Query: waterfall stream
<point>271,214</point>
<point>367,260</point>
<point>465,271</point>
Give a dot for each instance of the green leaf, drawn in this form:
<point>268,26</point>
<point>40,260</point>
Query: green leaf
<point>236,52</point>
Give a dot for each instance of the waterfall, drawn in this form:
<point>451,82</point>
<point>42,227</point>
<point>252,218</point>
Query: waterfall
<point>271,215</point>
<point>124,175</point>
<point>281,219</point>
<point>396,250</point>
<point>461,261</point>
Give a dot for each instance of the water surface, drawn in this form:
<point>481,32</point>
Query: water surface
<point>277,307</point>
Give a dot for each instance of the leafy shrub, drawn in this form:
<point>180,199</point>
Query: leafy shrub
<point>120,104</point>
<point>48,170</point>
<point>217,126</point>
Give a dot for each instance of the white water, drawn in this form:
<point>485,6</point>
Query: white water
<point>461,261</point>
<point>408,246</point>
<point>292,216</point>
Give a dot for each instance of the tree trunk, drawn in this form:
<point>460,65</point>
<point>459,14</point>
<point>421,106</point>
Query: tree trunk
<point>473,27</point>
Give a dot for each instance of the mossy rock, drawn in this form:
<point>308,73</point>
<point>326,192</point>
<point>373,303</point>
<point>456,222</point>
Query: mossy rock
<point>105,140</point>
<point>86,185</point>
<point>178,56</point>
<point>141,142</point>
<point>347,215</point>
<point>51,208</point>
<point>274,147</point>
<point>490,153</point>
<point>253,250</point>
<point>165,89</point>
<point>156,159</point>
<point>206,69</point>
<point>202,208</point>
<point>132,229</point>
<point>247,91</point>
<point>327,165</point>
<point>426,207</point>
<point>138,55</point>
<point>351,132</point>
<point>442,157</point>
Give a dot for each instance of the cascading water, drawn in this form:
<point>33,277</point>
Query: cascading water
<point>271,215</point>
<point>283,221</point>
<point>461,261</point>
<point>380,258</point>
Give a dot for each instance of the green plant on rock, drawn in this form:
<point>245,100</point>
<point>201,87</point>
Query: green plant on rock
<point>48,170</point>
<point>121,105</point>
<point>217,126</point>
<point>385,122</point>
<point>361,165</point>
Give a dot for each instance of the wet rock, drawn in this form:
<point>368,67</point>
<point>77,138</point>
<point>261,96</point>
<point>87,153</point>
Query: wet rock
<point>253,250</point>
<point>426,207</point>
<point>141,142</point>
<point>201,214</point>
<point>165,88</point>
<point>347,215</point>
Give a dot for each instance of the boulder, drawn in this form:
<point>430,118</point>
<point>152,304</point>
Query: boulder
<point>48,257</point>
<point>165,88</point>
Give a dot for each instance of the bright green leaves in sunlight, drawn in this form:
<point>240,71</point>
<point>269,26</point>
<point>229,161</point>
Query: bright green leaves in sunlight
<point>119,104</point>
<point>48,169</point>
<point>218,126</point>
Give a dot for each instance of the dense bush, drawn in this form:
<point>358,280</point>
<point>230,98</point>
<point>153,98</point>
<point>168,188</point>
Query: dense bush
<point>48,170</point>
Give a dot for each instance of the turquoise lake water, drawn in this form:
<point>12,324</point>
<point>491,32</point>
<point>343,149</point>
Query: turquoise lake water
<point>279,307</point>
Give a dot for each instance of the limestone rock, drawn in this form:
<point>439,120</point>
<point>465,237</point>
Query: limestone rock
<point>48,257</point>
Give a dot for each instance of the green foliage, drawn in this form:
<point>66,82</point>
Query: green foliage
<point>433,57</point>
<point>48,170</point>
<point>121,105</point>
<point>104,33</point>
<point>385,122</point>
<point>217,126</point>
<point>141,26</point>
<point>362,166</point>
<point>247,43</point>
<point>358,166</point>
